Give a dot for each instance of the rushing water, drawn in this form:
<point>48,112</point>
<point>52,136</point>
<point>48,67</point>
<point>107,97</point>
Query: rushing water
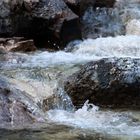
<point>41,75</point>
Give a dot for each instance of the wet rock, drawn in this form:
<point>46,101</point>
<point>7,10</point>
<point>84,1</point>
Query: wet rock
<point>110,82</point>
<point>23,46</point>
<point>16,107</point>
<point>16,44</point>
<point>80,6</point>
<point>59,100</point>
<point>50,23</point>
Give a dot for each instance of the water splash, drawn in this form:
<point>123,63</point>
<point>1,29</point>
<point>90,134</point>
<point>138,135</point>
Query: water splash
<point>90,117</point>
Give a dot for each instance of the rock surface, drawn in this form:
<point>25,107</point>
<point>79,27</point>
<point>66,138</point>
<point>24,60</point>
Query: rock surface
<point>16,107</point>
<point>48,22</point>
<point>16,44</point>
<point>80,6</point>
<point>110,82</point>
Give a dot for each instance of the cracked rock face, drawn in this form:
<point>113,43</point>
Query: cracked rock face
<point>110,82</point>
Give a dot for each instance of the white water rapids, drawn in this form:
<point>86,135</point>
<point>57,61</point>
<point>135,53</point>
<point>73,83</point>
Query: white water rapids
<point>110,122</point>
<point>39,73</point>
<point>88,50</point>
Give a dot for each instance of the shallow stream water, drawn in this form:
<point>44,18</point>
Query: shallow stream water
<point>40,74</point>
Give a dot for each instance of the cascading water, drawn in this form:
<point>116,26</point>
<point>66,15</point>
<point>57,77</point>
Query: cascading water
<point>41,74</point>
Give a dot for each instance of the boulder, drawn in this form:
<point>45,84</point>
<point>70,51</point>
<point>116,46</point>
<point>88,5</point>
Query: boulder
<point>110,82</point>
<point>50,23</point>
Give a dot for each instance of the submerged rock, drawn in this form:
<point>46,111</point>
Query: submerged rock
<point>50,23</point>
<point>110,82</point>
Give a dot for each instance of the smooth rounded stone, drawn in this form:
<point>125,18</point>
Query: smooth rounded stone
<point>109,82</point>
<point>16,107</point>
<point>48,22</point>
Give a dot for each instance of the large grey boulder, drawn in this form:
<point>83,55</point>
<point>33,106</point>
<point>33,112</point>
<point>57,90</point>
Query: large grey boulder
<point>110,82</point>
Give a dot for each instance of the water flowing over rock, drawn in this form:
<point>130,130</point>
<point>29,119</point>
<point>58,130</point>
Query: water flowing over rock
<point>46,21</point>
<point>110,82</point>
<point>17,107</point>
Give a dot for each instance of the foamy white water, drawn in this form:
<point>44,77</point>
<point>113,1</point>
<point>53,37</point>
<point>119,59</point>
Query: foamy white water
<point>88,50</point>
<point>108,122</point>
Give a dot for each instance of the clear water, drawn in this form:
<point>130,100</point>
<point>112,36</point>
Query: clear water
<point>40,74</point>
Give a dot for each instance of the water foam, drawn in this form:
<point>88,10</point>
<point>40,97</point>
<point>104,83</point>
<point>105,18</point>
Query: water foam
<point>121,46</point>
<point>88,50</point>
<point>91,118</point>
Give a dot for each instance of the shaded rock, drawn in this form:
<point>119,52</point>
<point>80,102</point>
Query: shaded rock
<point>16,107</point>
<point>2,50</point>
<point>110,82</point>
<point>105,3</point>
<point>50,23</point>
<point>79,6</point>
